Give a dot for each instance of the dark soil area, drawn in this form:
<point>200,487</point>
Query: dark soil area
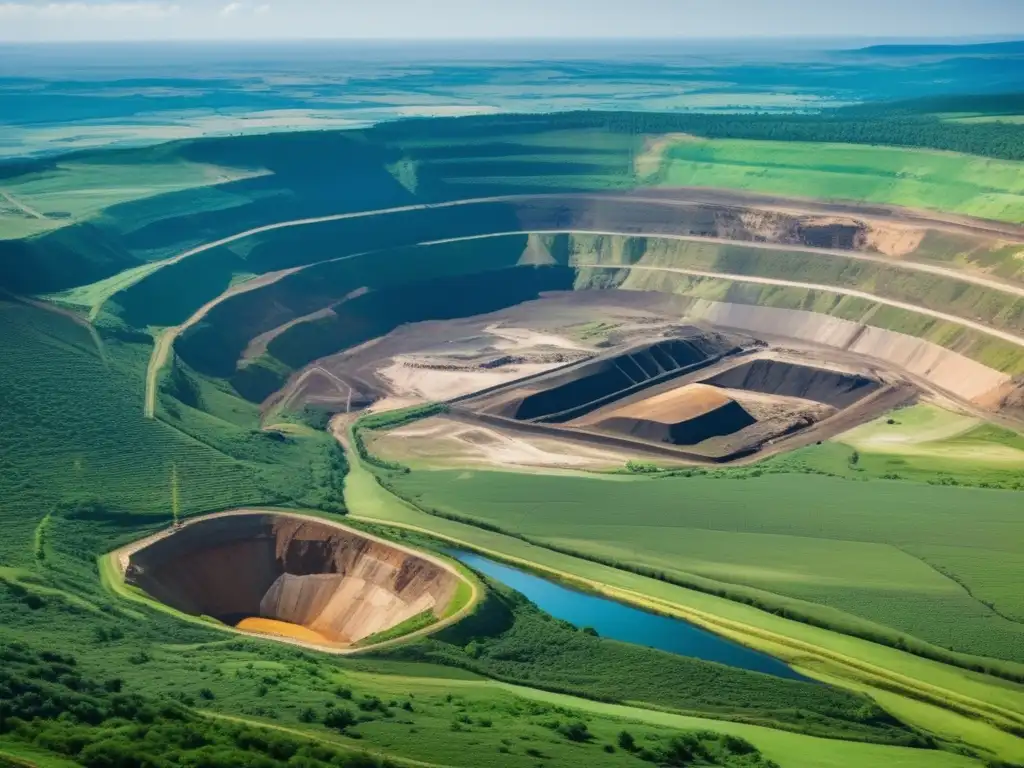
<point>775,377</point>
<point>581,390</point>
<point>726,420</point>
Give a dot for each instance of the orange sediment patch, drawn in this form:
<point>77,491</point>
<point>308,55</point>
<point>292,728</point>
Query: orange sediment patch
<point>282,629</point>
<point>673,406</point>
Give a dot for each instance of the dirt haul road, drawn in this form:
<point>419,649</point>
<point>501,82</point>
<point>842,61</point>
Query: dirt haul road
<point>166,341</point>
<point>1013,339</point>
<point>678,196</point>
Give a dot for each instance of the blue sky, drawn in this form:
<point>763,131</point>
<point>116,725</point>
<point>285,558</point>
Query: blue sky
<point>25,20</point>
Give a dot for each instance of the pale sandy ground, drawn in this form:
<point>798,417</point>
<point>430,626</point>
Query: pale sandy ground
<point>526,338</point>
<point>405,379</point>
<point>430,384</point>
<point>928,434</point>
<point>445,442</point>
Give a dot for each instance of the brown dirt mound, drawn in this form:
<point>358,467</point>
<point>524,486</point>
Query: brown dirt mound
<point>684,416</point>
<point>576,392</point>
<point>332,581</point>
<point>676,405</point>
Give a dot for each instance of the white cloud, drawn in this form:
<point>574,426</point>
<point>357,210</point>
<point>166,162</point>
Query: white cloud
<point>262,10</point>
<point>231,9</point>
<point>72,10</point>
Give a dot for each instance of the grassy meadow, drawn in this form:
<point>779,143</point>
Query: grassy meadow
<point>72,429</point>
<point>973,186</point>
<point>926,689</point>
<point>70,192</point>
<point>828,541</point>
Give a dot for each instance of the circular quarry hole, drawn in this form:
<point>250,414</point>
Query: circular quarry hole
<point>293,577</point>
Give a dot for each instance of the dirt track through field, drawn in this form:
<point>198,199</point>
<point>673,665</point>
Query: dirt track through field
<point>23,207</point>
<point>165,341</point>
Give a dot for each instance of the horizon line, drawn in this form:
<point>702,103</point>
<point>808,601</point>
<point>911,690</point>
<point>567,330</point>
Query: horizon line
<point>933,39</point>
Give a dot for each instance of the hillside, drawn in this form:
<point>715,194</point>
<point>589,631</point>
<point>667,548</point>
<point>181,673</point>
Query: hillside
<point>692,343</point>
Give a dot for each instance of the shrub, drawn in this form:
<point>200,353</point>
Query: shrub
<point>339,719</point>
<point>576,731</point>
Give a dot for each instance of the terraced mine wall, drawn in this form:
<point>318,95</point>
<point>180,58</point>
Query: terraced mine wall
<point>942,367</point>
<point>576,392</point>
<point>330,580</point>
<point>777,377</point>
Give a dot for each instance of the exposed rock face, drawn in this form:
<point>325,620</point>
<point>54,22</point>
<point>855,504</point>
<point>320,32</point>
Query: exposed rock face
<point>330,580</point>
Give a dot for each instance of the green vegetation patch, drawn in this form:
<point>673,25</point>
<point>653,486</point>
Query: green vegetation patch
<point>49,704</point>
<point>510,639</point>
<point>410,625</point>
<point>974,186</point>
<point>70,191</point>
<point>803,536</point>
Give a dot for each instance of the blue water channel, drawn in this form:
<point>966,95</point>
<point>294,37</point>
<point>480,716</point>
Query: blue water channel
<point>622,622</point>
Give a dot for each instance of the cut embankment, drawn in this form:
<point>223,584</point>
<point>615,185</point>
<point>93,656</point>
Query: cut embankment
<point>778,377</point>
<point>288,576</point>
<point>685,416</point>
<point>942,367</point>
<point>582,389</point>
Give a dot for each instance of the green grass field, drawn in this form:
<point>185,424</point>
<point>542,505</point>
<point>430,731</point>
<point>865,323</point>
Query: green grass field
<point>76,191</point>
<point>925,441</point>
<point>72,429</point>
<point>975,186</point>
<point>834,542</point>
<point>815,650</point>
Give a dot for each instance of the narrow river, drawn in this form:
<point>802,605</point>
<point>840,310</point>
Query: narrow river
<point>618,621</point>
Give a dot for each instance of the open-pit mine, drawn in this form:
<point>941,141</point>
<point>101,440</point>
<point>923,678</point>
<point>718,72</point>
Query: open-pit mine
<point>291,577</point>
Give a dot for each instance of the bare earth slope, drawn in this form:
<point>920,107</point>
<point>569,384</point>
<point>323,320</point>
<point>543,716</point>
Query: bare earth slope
<point>333,581</point>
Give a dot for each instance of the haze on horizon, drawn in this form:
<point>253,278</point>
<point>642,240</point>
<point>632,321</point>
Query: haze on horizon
<point>96,20</point>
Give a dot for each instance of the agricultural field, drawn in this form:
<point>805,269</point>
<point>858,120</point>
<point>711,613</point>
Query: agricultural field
<point>824,651</point>
<point>76,191</point>
<point>916,179</point>
<point>794,540</point>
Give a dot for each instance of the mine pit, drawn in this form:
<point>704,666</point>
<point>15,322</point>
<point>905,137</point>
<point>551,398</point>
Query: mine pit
<point>291,577</point>
<point>701,396</point>
<point>688,415</point>
<point>584,388</point>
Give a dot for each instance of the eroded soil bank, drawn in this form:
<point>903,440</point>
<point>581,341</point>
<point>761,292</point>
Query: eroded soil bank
<point>333,581</point>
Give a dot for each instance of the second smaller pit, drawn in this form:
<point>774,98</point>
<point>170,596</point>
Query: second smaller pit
<point>291,576</point>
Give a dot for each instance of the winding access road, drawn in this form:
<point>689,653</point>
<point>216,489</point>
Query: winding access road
<point>694,196</point>
<point>1012,338</point>
<point>165,341</point>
